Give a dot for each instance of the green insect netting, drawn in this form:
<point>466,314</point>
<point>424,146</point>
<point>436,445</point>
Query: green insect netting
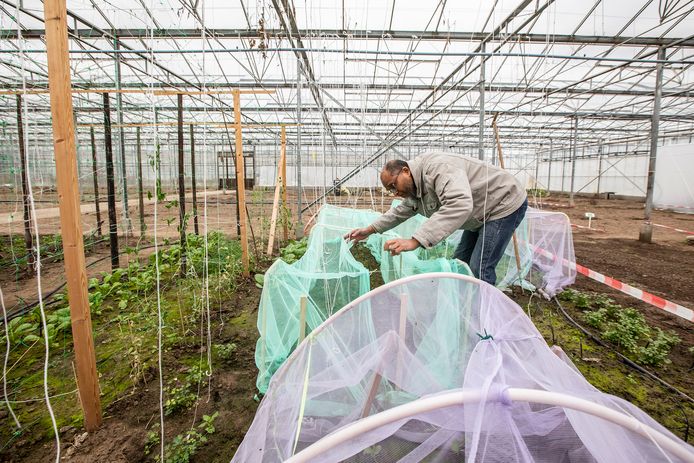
<point>328,277</point>
<point>325,279</point>
<point>436,259</point>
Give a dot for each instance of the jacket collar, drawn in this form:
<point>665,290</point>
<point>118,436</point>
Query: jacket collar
<point>415,166</point>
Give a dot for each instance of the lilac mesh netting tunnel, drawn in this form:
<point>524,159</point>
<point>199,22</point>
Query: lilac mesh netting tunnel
<point>442,368</point>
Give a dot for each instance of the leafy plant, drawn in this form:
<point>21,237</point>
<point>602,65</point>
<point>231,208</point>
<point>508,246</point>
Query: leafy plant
<point>225,351</point>
<point>628,330</point>
<point>179,394</point>
<point>656,352</point>
<point>294,250</point>
<point>152,439</point>
<point>581,300</point>
<point>259,280</point>
<point>184,445</point>
<point>539,192</point>
<point>22,330</point>
<point>596,318</point>
<point>178,398</point>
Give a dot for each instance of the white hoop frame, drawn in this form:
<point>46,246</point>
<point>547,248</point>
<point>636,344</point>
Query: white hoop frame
<point>461,397</point>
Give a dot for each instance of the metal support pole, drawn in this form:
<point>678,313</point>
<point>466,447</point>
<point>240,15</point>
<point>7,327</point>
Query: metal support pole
<point>549,168</point>
<point>225,158</point>
<point>95,176</point>
<point>537,169</point>
<point>325,166</point>
<point>28,239</point>
<point>574,157</point>
<point>283,171</point>
<point>482,84</point>
<point>219,175</point>
<point>110,185</point>
<point>599,167</point>
<point>140,196</point>
<point>299,225</point>
<point>119,108</point>
<point>409,143</point>
<point>181,188</point>
<point>646,232</point>
<point>241,186</point>
<point>563,170</point>
<point>192,173</point>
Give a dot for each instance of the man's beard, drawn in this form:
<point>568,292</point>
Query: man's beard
<point>409,192</point>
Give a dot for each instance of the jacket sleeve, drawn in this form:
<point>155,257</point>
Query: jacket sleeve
<point>394,217</point>
<point>455,196</point>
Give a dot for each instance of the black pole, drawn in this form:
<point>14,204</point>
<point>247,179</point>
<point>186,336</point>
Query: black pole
<point>181,186</point>
<point>192,173</point>
<point>226,171</point>
<point>139,183</point>
<point>28,239</point>
<point>110,187</point>
<point>95,175</point>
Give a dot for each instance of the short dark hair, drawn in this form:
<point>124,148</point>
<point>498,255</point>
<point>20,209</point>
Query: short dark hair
<point>394,166</point>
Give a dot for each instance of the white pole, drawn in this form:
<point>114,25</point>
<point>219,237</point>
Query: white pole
<point>461,397</point>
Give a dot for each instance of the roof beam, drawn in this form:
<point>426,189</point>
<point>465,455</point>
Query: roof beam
<point>294,35</point>
<point>504,88</point>
<point>332,34</point>
<point>597,115</point>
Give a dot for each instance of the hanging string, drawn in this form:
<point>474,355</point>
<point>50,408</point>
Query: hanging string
<point>206,271</point>
<point>160,320</point>
<point>32,207</point>
<point>7,357</point>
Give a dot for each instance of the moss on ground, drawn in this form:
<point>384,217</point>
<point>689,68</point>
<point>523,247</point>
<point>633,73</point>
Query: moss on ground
<point>604,370</point>
<point>125,338</point>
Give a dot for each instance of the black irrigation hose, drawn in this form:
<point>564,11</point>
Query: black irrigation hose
<point>93,243</point>
<point>624,359</point>
<point>18,312</point>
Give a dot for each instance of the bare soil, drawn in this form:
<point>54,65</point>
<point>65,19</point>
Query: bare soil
<point>662,268</point>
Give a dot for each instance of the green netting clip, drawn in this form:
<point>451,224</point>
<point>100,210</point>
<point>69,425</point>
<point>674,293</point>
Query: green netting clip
<point>486,336</point>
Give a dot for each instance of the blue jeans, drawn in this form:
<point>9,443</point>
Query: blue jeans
<point>482,249</point>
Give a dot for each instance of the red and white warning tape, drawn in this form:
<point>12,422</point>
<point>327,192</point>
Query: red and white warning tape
<point>676,309</point>
<point>673,206</point>
<point>672,228</point>
<point>587,228</point>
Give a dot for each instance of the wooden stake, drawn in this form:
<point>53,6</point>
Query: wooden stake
<point>240,185</point>
<point>95,176</point>
<point>501,163</point>
<point>276,201</point>
<point>110,186</point>
<point>181,188</point>
<point>283,174</point>
<point>192,173</point>
<point>375,382</point>
<point>28,239</point>
<point>402,333</point>
<point>302,318</point>
<point>55,15</point>
<point>140,196</point>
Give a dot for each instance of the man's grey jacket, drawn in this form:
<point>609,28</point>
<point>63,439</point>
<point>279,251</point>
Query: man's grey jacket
<point>454,192</point>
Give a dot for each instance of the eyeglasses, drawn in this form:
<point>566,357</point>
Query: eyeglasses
<point>392,188</point>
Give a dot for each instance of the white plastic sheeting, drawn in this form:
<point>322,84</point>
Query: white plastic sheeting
<point>545,250</point>
<point>674,182</point>
<point>627,175</point>
<point>426,335</point>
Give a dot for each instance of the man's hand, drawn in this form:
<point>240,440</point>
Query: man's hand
<point>399,245</point>
<point>359,234</point>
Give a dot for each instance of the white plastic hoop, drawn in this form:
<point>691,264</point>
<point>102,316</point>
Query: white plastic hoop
<point>461,397</point>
